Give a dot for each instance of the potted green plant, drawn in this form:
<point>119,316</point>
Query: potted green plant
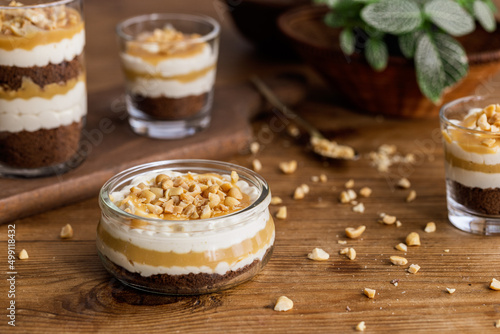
<point>432,43</point>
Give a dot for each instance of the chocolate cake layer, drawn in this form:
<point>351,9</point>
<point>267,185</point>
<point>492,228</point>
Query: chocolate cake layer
<point>40,148</point>
<point>169,108</point>
<point>11,77</point>
<point>486,201</point>
<point>189,284</point>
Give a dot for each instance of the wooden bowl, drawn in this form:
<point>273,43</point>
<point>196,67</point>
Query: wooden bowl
<point>256,20</point>
<point>393,91</point>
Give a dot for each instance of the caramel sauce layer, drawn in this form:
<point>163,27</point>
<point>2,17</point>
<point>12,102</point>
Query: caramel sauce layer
<point>29,89</point>
<point>132,76</point>
<point>210,259</point>
<point>472,166</point>
<point>38,37</point>
<point>136,49</point>
<point>473,142</point>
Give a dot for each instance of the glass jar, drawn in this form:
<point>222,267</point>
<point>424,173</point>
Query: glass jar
<point>43,97</point>
<point>185,257</point>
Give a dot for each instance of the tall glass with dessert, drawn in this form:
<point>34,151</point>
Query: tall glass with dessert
<point>43,99</point>
<point>471,137</point>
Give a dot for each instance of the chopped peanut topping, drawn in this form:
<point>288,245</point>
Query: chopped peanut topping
<point>288,167</point>
<point>66,232</point>
<point>413,239</point>
<point>430,227</point>
<point>354,233</point>
<point>256,165</point>
<point>494,284</point>
<point>365,192</point>
<point>23,254</point>
<point>402,247</point>
<point>370,293</point>
<point>281,214</point>
<point>360,327</point>
<point>414,268</point>
<point>318,254</point>
<point>275,200</point>
<point>283,304</point>
<point>411,196</point>
<point>398,260</point>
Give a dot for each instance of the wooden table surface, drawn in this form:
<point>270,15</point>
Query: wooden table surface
<point>63,287</point>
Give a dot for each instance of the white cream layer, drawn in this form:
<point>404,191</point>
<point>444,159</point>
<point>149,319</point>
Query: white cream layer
<point>39,113</point>
<point>147,270</point>
<point>172,88</point>
<point>42,55</point>
<point>171,66</point>
<point>483,159</point>
<point>472,179</point>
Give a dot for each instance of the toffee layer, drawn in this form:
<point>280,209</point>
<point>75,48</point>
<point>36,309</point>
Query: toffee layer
<point>485,201</point>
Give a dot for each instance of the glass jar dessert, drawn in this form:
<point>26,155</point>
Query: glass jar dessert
<point>169,63</point>
<point>471,137</point>
<point>185,227</point>
<point>43,99</point>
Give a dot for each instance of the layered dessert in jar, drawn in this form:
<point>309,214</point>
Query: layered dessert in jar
<point>472,160</point>
<point>169,73</point>
<point>177,228</point>
<point>43,97</point>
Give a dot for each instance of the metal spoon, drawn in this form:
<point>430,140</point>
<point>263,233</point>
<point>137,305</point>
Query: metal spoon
<point>320,145</point>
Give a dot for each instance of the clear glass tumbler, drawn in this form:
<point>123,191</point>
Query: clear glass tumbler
<point>43,97</point>
<point>471,138</point>
<point>169,63</point>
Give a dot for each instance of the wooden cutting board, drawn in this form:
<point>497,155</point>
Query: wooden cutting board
<point>113,147</point>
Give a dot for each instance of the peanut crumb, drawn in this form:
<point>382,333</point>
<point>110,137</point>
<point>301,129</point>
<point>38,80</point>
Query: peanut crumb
<point>351,253</point>
<point>387,219</point>
<point>301,191</point>
<point>323,178</point>
<point>413,239</point>
<point>353,233</point>
<point>430,227</point>
<point>66,232</point>
<point>318,254</point>
<point>414,268</point>
<point>282,213</point>
<point>497,324</point>
<point>342,242</point>
<point>365,192</point>
<point>344,251</point>
<point>399,224</point>
<point>254,147</point>
<point>288,167</point>
<point>398,260</point>
<point>347,196</point>
<point>446,250</point>
<point>360,208</point>
<point>411,196</point>
<point>402,247</point>
<point>256,165</point>
<point>275,200</point>
<point>404,183</point>
<point>293,131</point>
<point>494,284</point>
<point>360,327</point>
<point>23,254</point>
<point>450,291</point>
<point>283,304</point>
<point>370,293</point>
<point>315,178</point>
<point>349,184</point>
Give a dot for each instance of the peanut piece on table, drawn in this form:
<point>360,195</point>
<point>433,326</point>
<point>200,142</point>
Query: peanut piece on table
<point>66,232</point>
<point>361,326</point>
<point>413,239</point>
<point>353,233</point>
<point>318,254</point>
<point>282,213</point>
<point>23,254</point>
<point>370,293</point>
<point>398,260</point>
<point>413,269</point>
<point>283,304</point>
<point>430,227</point>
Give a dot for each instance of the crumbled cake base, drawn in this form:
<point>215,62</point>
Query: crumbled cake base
<point>40,148</point>
<point>485,201</point>
<point>170,108</point>
<point>190,284</point>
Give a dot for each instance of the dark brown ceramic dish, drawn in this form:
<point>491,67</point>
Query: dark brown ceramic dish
<point>393,91</point>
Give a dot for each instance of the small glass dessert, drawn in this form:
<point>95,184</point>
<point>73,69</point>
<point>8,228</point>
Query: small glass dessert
<point>185,227</point>
<point>471,137</point>
<point>43,98</point>
<point>169,63</point>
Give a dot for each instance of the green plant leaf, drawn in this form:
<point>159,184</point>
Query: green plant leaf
<point>429,68</point>
<point>347,41</point>
<point>449,16</point>
<point>453,56</point>
<point>335,20</point>
<point>376,54</point>
<point>393,16</point>
<point>407,43</point>
<point>485,16</point>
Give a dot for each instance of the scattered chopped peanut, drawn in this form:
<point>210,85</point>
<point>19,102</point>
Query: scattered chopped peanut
<point>387,219</point>
<point>404,183</point>
<point>315,178</point>
<point>283,304</point>
<point>256,165</point>
<point>398,260</point>
<point>430,227</point>
<point>353,233</point>
<point>342,242</point>
<point>275,200</point>
<point>450,291</point>
<point>402,247</point>
<point>399,224</point>
<point>293,130</point>
<point>344,251</point>
<point>413,239</point>
<point>411,196</point>
<point>351,253</point>
<point>414,268</point>
<point>66,232</point>
<point>347,196</point>
<point>349,184</point>
<point>361,326</point>
<point>497,324</point>
<point>370,293</point>
<point>299,193</point>
<point>446,250</point>
<point>360,208</point>
<point>23,254</point>
<point>323,178</point>
<point>254,147</point>
<point>494,284</point>
<point>288,167</point>
<point>282,213</point>
<point>365,192</point>
<point>318,254</point>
